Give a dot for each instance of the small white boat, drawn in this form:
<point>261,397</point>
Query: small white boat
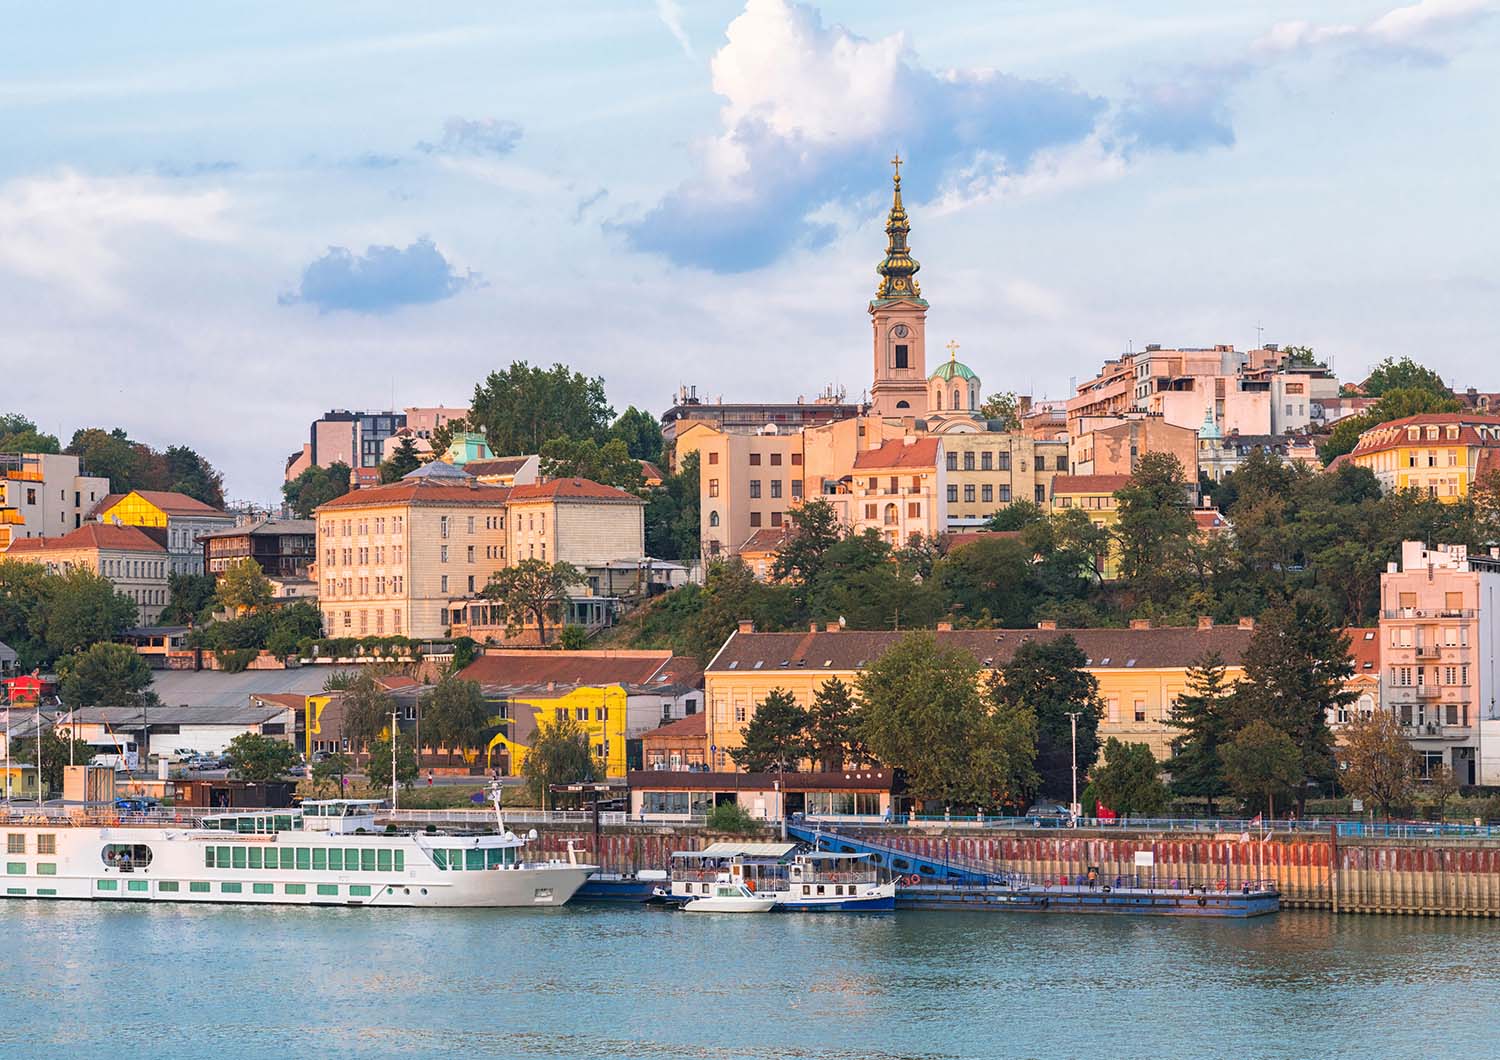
<point>731,896</point>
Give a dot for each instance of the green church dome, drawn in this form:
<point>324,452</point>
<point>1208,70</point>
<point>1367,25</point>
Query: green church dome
<point>951,370</point>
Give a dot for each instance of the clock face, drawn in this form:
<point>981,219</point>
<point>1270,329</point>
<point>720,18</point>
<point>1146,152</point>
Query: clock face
<point>900,331</point>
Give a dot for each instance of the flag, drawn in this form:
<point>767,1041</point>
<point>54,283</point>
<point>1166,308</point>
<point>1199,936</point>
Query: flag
<point>1255,821</point>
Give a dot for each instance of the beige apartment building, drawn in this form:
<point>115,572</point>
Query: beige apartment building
<point>390,558</point>
<point>745,482</point>
<point>130,557</point>
<point>898,490</point>
<point>987,471</point>
<point>44,494</point>
<point>1114,446</point>
<point>576,521</point>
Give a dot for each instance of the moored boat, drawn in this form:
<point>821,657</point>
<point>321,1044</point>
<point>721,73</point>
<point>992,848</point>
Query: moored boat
<point>811,881</point>
<point>728,895</point>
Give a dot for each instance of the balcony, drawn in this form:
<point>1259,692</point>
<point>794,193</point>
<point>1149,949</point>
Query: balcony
<point>1426,692</point>
<point>1418,612</point>
<point>1432,730</point>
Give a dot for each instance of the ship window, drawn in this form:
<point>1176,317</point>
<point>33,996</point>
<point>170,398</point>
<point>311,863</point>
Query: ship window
<point>238,856</point>
<point>198,887</point>
<point>288,858</point>
<point>255,856</point>
<point>208,857</point>
<point>383,860</point>
<point>455,860</point>
<point>168,887</point>
<point>126,856</point>
<point>295,888</point>
<point>223,857</point>
<point>440,858</point>
<point>351,861</point>
<point>359,890</point>
<point>335,859</point>
<point>15,868</point>
<point>473,859</point>
<point>328,888</point>
<point>15,843</point>
<point>263,888</point>
<point>230,888</point>
<point>319,859</point>
<point>47,868</point>
<point>494,856</point>
<point>400,856</point>
<point>106,885</point>
<point>366,861</point>
<point>46,843</point>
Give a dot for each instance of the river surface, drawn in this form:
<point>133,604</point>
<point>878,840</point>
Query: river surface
<point>234,982</point>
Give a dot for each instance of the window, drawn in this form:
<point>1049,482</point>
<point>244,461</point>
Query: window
<point>713,518</point>
<point>443,526</point>
<point>1140,710</point>
<point>969,461</point>
<point>359,890</point>
<point>913,509</point>
<point>15,843</point>
<point>713,458</point>
<point>987,494</point>
<point>295,888</point>
<point>754,488</point>
<point>46,843</point>
<point>755,518</point>
<point>198,887</point>
<point>230,888</point>
<point>1004,461</point>
<point>870,510</point>
<point>796,489</point>
<point>326,890</point>
<point>442,553</point>
<point>952,494</point>
<point>755,460</point>
<point>776,487</point>
<point>952,461</point>
<point>775,459</point>
<point>1004,494</point>
<point>713,487</point>
<point>775,518</point>
<point>969,494</point>
<point>443,584</point>
<point>903,359</point>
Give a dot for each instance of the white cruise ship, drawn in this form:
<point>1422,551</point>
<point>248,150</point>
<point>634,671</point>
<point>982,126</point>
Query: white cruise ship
<point>327,852</point>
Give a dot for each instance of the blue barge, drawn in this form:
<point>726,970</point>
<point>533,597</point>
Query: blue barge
<point>1072,898</point>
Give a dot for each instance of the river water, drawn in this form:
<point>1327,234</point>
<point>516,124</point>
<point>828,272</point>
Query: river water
<point>234,982</point>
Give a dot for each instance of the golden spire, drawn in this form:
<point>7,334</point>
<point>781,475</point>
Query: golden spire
<point>899,268</point>
<point>952,349</point>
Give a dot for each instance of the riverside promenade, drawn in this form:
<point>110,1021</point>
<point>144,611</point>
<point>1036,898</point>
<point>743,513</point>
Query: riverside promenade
<point>1313,867</point>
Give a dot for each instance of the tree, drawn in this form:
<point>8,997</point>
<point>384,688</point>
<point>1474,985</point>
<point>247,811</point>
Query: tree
<point>776,739</point>
<point>455,714</point>
<point>835,733</point>
<point>1203,714</point>
<point>108,454</point>
<point>1297,668</point>
<point>182,470</point>
<point>522,407</point>
<point>258,758</point>
<point>641,433</point>
<point>1004,407</point>
<point>1406,373</point>
<point>560,754</point>
<point>18,434</point>
<point>442,435</point>
<point>1049,679</point>
<point>814,529</point>
<point>1301,357</point>
<point>989,579</point>
<point>367,709</point>
<point>58,753</point>
<point>1442,785</point>
<point>188,596</point>
<point>244,587</point>
<point>402,462</point>
<point>1394,404</point>
<point>731,593</point>
<point>1377,763</point>
<point>106,675</point>
<point>316,486</point>
<point>610,463</point>
<point>1017,515</point>
<point>922,714</point>
<point>79,608</point>
<point>382,748</point>
<point>1262,763</point>
<point>330,772</point>
<point>1129,781</point>
<point>532,589</point>
<point>1154,527</point>
<point>672,515</point>
<point>21,587</point>
<point>573,638</point>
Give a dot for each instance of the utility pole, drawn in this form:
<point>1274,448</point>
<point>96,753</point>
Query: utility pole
<point>1073,806</point>
<point>394,730</point>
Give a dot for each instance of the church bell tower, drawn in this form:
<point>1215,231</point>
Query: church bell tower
<point>899,317</point>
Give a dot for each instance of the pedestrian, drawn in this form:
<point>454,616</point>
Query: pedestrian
<point>429,778</point>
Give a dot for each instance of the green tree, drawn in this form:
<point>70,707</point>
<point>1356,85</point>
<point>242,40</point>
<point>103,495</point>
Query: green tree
<point>610,463</point>
<point>1394,404</point>
<point>560,754</point>
<point>21,589</point>
<point>58,753</point>
<point>455,714</point>
<point>923,714</point>
<point>731,593</point>
<point>328,773</point>
<point>183,470</point>
<point>1391,374</point>
<point>442,435</point>
<point>989,580</point>
<point>367,709</point>
<point>1297,669</point>
<point>1048,678</point>
<point>316,486</point>
<point>258,758</point>
<point>814,529</point>
<point>1262,763</point>
<point>573,638</point>
<point>1377,762</point>
<point>522,407</point>
<point>1017,515</point>
<point>1155,527</point>
<point>402,462</point>
<point>244,587</point>
<point>1442,785</point>
<point>1203,714</point>
<point>776,739</point>
<point>378,771</point>
<point>109,454</point>
<point>532,590</point>
<point>1301,357</point>
<point>79,608</point>
<point>189,595</point>
<point>641,433</point>
<point>1005,408</point>
<point>105,675</point>
<point>835,730</point>
<point>730,818</point>
<point>1129,780</point>
<point>18,434</point>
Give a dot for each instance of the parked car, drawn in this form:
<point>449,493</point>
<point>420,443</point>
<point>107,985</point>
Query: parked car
<point>1047,809</point>
<point>298,770</point>
<point>136,805</point>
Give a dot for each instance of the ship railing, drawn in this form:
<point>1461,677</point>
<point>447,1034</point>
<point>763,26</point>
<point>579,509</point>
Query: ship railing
<point>107,817</point>
<point>1205,881</point>
<point>833,876</point>
<point>511,817</point>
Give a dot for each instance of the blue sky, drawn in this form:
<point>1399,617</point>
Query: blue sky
<point>218,220</point>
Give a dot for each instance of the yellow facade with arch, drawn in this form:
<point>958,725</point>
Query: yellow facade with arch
<point>134,510</point>
<point>599,711</point>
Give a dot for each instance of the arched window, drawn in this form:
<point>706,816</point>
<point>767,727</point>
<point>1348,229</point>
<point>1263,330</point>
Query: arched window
<point>973,397</point>
<point>713,518</point>
<point>902,405</point>
<point>957,401</point>
<point>940,400</point>
<point>890,515</point>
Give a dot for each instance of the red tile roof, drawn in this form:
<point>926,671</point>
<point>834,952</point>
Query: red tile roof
<point>766,539</point>
<point>1089,483</point>
<point>566,489</point>
<point>1364,649</point>
<point>167,501</point>
<point>959,538</point>
<point>420,491</point>
<point>1474,429</point>
<point>1209,519</point>
<point>282,699</point>
<point>93,535</point>
<point>899,452</point>
<point>688,727</point>
<point>566,668</point>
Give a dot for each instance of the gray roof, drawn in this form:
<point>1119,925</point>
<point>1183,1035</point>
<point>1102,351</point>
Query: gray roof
<point>437,471</point>
<point>7,653</point>
<point>125,717</point>
<point>266,527</point>
<point>214,688</point>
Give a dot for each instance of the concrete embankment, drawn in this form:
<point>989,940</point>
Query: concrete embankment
<point>1440,877</point>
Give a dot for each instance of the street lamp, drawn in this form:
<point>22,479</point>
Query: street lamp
<point>1073,806</point>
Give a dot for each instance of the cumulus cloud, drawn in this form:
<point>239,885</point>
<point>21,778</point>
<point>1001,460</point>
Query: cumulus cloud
<point>1426,31</point>
<point>809,107</point>
<point>475,137</point>
<point>381,279</point>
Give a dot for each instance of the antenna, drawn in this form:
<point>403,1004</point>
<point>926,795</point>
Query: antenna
<point>1259,332</point>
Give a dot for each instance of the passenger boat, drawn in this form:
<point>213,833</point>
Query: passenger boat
<point>327,852</point>
<point>798,882</point>
<point>728,895</point>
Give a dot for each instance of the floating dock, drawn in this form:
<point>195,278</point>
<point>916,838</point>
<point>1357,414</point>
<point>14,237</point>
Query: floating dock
<point>1072,898</point>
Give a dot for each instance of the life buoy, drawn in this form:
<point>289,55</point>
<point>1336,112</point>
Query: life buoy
<point>1223,885</point>
<point>1202,901</point>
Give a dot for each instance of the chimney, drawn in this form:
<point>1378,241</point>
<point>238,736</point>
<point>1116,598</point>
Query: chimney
<point>1140,623</point>
<point>1247,623</point>
<point>812,627</point>
<point>945,627</point>
<point>1205,621</point>
<point>831,627</point>
<point>1047,623</point>
<point>746,626</point>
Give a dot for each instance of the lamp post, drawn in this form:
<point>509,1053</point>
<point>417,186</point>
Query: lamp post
<point>394,730</point>
<point>1073,806</point>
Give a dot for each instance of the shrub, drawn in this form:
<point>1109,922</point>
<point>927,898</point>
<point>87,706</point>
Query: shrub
<point>235,660</point>
<point>732,818</point>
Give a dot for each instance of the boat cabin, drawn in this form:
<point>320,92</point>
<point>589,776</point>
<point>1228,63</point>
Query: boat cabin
<point>340,816</point>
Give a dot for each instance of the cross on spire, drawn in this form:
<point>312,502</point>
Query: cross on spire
<point>952,349</point>
<point>897,163</point>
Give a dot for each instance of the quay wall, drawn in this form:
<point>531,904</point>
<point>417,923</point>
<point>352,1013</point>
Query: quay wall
<point>1438,877</point>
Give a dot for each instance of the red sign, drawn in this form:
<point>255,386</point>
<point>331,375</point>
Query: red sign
<point>1103,812</point>
<point>24,691</point>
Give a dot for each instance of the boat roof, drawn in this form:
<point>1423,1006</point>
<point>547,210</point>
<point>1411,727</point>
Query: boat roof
<point>829,855</point>
<point>732,850</point>
<point>343,802</point>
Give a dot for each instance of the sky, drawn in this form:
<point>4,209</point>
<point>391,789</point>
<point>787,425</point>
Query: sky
<point>219,220</point>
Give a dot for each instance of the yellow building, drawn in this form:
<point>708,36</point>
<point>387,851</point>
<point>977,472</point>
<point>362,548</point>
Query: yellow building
<point>1439,454</point>
<point>987,471</point>
<point>576,521</point>
<point>1094,495</point>
<point>1141,671</point>
<point>599,712</point>
<point>184,520</point>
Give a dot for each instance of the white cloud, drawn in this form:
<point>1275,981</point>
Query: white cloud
<point>1423,31</point>
<point>670,13</point>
